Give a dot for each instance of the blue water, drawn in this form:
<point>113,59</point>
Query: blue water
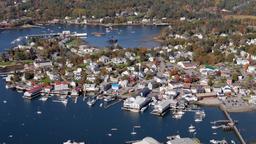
<point>128,36</point>
<point>19,122</point>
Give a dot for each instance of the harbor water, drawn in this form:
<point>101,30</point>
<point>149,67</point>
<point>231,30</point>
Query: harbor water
<point>21,122</point>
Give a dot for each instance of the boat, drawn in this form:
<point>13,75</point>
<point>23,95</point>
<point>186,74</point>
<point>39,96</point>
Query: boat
<point>198,119</point>
<point>44,98</point>
<point>114,129</point>
<point>64,101</point>
<point>191,129</point>
<point>73,142</point>
<point>33,92</point>
<point>109,98</point>
<point>39,112</point>
<point>143,109</point>
<point>91,102</point>
<point>101,104</point>
<point>214,127</point>
<point>74,93</point>
<point>173,137</point>
<point>4,101</point>
<point>109,134</point>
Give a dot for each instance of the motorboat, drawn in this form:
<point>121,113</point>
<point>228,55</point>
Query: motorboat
<point>191,129</point>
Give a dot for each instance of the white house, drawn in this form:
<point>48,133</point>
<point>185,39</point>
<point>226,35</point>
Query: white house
<point>240,61</point>
<point>90,87</point>
<point>58,86</point>
<point>119,60</point>
<point>104,59</point>
<point>42,63</point>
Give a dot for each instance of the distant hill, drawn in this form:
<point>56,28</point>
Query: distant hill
<point>134,9</point>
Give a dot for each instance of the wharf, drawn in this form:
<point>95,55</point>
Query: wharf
<point>241,139</point>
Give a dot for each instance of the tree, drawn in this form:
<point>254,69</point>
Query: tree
<point>234,76</point>
<point>29,75</point>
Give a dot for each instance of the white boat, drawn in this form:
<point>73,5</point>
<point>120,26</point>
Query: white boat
<point>143,109</point>
<point>180,112</point>
<point>74,93</point>
<point>91,102</point>
<point>133,133</point>
<point>198,120</point>
<point>39,112</point>
<point>73,142</point>
<point>109,134</point>
<point>212,141</point>
<point>64,101</point>
<point>43,99</point>
<point>177,116</point>
<point>214,127</point>
<point>114,129</point>
<point>4,101</point>
<point>101,104</point>
<point>191,129</point>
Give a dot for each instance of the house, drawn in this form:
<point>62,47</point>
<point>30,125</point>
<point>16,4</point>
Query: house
<point>251,69</point>
<point>241,61</point>
<point>174,85</point>
<point>77,74</point>
<point>91,78</point>
<point>123,83</point>
<point>52,76</point>
<point>119,60</point>
<point>226,89</point>
<point>90,88</point>
<point>172,59</point>
<point>42,63</point>
<point>60,86</point>
<point>115,86</point>
<point>187,65</point>
<point>130,56</point>
<point>93,67</point>
<point>104,59</point>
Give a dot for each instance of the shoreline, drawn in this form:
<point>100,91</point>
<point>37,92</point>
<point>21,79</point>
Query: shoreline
<point>211,102</point>
<point>38,25</point>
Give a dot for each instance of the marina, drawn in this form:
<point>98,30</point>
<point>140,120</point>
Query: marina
<point>60,108</point>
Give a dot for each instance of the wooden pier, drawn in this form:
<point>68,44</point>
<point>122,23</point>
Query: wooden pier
<point>232,122</point>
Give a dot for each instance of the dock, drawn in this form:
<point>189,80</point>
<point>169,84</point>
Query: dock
<point>113,103</point>
<point>232,122</point>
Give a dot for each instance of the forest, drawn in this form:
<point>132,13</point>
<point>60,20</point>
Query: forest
<point>50,9</point>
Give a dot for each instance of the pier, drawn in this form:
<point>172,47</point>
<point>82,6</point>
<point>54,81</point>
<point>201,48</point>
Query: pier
<point>232,122</point>
<point>113,103</point>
